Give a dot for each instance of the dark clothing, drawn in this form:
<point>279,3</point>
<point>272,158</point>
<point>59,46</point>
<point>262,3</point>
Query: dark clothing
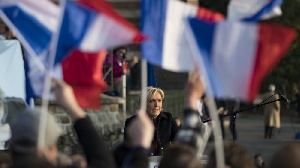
<point>96,151</point>
<point>233,106</point>
<point>165,131</point>
<point>297,101</point>
<point>28,160</point>
<point>222,103</point>
<point>130,157</point>
<point>268,132</point>
<point>135,74</point>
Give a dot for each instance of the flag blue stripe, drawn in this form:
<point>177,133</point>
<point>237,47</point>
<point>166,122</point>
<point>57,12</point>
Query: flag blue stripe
<point>204,35</point>
<point>266,9</point>
<point>151,76</point>
<point>76,22</point>
<point>37,35</point>
<point>153,22</point>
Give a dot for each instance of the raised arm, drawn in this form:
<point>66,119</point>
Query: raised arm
<point>96,151</point>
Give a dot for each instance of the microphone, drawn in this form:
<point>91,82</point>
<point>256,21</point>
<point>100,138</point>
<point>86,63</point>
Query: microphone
<point>284,98</point>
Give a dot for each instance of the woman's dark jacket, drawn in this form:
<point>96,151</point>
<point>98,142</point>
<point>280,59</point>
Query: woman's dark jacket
<point>165,130</point>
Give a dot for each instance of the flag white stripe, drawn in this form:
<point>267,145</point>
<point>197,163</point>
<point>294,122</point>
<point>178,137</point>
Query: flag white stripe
<point>107,32</point>
<point>234,53</point>
<point>176,49</point>
<point>44,11</point>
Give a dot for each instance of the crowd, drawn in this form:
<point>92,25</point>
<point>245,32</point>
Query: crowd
<point>149,133</point>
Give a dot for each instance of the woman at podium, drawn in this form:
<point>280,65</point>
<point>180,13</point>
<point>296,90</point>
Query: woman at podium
<point>165,127</point>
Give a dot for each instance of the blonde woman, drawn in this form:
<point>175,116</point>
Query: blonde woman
<point>164,124</point>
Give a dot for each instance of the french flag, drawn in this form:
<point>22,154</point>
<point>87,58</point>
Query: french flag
<point>93,25</point>
<point>164,22</point>
<point>33,23</point>
<point>253,10</point>
<point>238,55</point>
<point>81,70</point>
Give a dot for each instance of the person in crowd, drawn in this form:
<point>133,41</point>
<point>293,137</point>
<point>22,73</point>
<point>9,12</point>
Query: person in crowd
<point>134,78</point>
<point>140,135</point>
<point>259,161</point>
<point>5,132</point>
<point>118,66</point>
<point>180,156</point>
<point>286,156</point>
<point>204,116</point>
<point>222,109</point>
<point>183,153</point>
<point>236,156</point>
<point>24,141</point>
<point>297,101</point>
<point>271,112</point>
<point>233,105</point>
<point>164,124</point>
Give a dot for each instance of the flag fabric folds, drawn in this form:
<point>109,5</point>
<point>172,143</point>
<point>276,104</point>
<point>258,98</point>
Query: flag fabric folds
<point>12,76</point>
<point>88,27</point>
<point>237,56</point>
<point>32,22</point>
<point>253,10</point>
<point>83,71</point>
<point>164,22</point>
<point>87,30</point>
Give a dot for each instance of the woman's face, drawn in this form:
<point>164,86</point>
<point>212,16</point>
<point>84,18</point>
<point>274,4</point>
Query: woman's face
<point>120,53</point>
<point>154,105</point>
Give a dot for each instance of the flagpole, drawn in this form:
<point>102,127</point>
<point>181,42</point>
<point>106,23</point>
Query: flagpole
<point>210,95</point>
<point>47,83</point>
<point>144,77</point>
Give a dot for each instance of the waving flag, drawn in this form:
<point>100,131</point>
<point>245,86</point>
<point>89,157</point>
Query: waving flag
<point>253,10</point>
<point>83,71</point>
<point>237,56</point>
<point>164,22</point>
<point>92,25</point>
<point>35,23</point>
<point>32,22</point>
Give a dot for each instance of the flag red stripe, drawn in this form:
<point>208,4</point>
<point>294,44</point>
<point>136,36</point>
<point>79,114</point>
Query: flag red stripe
<point>208,15</point>
<point>273,43</point>
<point>83,71</point>
<point>106,8</point>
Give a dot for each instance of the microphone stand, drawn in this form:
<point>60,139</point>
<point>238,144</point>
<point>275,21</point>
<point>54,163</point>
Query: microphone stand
<point>233,114</point>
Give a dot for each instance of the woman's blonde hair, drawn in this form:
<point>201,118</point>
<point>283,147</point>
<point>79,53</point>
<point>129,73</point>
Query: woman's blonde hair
<point>150,92</point>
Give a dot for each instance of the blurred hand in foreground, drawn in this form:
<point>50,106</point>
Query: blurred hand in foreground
<point>194,89</point>
<point>140,131</point>
<point>66,98</point>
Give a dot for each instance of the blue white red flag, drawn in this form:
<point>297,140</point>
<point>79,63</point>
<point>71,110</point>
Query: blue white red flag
<point>83,71</point>
<point>35,23</point>
<point>164,22</point>
<point>253,10</point>
<point>238,55</point>
<point>93,25</point>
